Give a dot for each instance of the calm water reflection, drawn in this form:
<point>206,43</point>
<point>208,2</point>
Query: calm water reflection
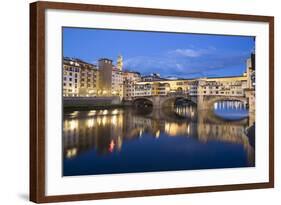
<point>231,110</point>
<point>127,140</point>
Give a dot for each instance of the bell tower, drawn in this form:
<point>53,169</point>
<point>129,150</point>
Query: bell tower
<point>120,62</point>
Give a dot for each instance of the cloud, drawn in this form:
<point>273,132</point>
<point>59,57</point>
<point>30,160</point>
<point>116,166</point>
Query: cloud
<point>187,52</point>
<point>191,62</point>
<point>192,52</point>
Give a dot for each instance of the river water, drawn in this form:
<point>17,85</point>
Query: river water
<point>127,140</point>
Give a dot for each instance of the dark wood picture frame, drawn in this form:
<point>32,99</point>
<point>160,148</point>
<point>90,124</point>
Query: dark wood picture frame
<point>37,100</point>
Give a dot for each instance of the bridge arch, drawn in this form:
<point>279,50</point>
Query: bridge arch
<point>142,102</point>
<point>169,101</point>
<point>207,102</point>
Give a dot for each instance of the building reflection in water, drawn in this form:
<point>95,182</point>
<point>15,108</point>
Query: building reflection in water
<point>105,130</point>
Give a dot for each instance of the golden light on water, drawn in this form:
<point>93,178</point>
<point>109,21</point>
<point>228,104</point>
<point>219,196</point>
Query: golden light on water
<point>140,133</point>
<point>120,120</point>
<point>113,127</point>
<point>92,113</point>
<point>115,112</point>
<point>103,120</point>
<point>111,146</point>
<point>157,135</point>
<point>171,129</point>
<point>174,129</point>
<point>114,120</point>
<point>188,129</point>
<point>75,113</point>
<point>70,153</point>
<point>90,123</point>
<point>71,124</point>
<point>99,120</point>
<point>119,142</point>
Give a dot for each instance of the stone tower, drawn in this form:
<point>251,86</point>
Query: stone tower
<point>120,62</point>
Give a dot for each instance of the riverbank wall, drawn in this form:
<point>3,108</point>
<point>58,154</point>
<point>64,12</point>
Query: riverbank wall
<point>90,102</point>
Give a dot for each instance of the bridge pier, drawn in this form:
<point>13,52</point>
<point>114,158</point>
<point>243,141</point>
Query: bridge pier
<point>156,101</point>
<point>201,104</point>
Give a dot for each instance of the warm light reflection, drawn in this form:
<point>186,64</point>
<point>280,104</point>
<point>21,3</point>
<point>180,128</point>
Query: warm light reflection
<point>99,120</point>
<point>75,113</point>
<point>114,120</point>
<point>175,129</point>
<point>188,129</point>
<point>90,123</point>
<point>70,153</point>
<point>103,120</point>
<point>111,146</point>
<point>71,124</point>
<point>109,131</point>
<point>157,134</point>
<point>115,112</point>
<point>140,133</point>
<point>119,142</point>
<point>92,113</point>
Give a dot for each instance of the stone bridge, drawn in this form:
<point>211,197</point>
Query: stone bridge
<point>203,101</point>
<point>162,101</point>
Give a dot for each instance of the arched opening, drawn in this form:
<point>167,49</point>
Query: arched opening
<point>142,103</point>
<point>179,90</point>
<point>181,101</point>
<point>230,109</point>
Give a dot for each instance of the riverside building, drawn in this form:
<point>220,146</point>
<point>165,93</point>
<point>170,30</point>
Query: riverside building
<point>80,79</point>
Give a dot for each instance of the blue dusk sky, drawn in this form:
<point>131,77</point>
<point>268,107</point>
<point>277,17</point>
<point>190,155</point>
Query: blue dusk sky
<point>169,54</point>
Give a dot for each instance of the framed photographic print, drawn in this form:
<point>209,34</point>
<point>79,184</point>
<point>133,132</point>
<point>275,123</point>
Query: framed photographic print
<point>128,102</point>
